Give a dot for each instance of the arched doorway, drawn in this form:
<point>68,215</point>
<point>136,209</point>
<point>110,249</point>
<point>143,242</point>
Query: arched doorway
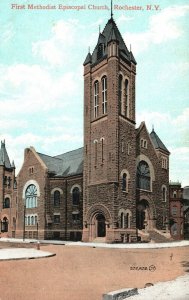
<point>4,225</point>
<point>101,225</point>
<point>142,214</point>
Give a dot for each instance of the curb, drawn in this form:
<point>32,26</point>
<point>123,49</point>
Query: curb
<point>120,294</point>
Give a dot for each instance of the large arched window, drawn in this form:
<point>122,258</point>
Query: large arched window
<point>120,94</point>
<point>6,203</point>
<point>76,196</point>
<point>31,196</point>
<point>104,95</point>
<point>96,99</point>
<point>57,198</point>
<point>143,176</point>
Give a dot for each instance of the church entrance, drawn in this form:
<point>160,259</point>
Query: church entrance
<point>142,215</point>
<point>101,226</point>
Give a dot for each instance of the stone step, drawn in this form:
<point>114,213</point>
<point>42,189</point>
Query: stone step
<point>157,237</point>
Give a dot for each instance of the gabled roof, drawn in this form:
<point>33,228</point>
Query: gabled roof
<point>4,158</point>
<point>66,164</point>
<point>112,33</point>
<point>158,144</point>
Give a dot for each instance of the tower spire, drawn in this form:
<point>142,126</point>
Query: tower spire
<point>111,9</point>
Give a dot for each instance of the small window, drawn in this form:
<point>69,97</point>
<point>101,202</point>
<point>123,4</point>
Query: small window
<point>124,182</point>
<point>5,180</point>
<point>174,211</point>
<point>32,220</point>
<point>75,217</point>
<point>102,149</point>
<point>128,148</point>
<point>6,203</point>
<point>57,219</point>
<point>164,196</point>
<point>164,163</point>
<point>100,51</point>
<point>127,223</point>
<point>122,146</point>
<point>76,196</point>
<point>174,194</point>
<point>96,151</point>
<point>9,182</point>
<point>122,220</point>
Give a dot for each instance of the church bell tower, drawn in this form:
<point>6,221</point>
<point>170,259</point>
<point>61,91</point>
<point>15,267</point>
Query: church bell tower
<point>109,139</point>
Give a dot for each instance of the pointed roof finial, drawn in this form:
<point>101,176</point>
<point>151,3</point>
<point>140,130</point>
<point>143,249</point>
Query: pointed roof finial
<point>99,29</point>
<point>130,47</point>
<point>89,50</point>
<point>152,127</point>
<point>111,9</point>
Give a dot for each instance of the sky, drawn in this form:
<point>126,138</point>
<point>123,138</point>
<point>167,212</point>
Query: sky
<point>41,72</point>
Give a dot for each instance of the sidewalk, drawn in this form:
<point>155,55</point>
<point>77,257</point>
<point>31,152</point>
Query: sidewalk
<point>177,289</point>
<point>174,244</point>
<point>23,253</point>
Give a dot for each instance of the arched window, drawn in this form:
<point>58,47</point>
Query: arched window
<point>96,99</point>
<point>57,198</point>
<point>95,151</point>
<point>76,196</point>
<point>164,194</point>
<point>31,196</point>
<point>104,95</point>
<point>124,182</point>
<point>6,203</point>
<point>122,220</point>
<point>14,223</point>
<point>102,149</point>
<point>143,176</point>
<point>126,98</point>
<point>120,94</point>
<point>32,220</point>
<point>127,221</point>
<point>4,225</point>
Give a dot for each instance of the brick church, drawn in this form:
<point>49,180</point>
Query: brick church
<point>116,187</point>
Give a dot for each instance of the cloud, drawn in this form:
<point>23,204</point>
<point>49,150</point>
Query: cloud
<point>163,26</point>
<point>56,49</point>
<point>123,19</point>
<point>7,33</point>
<point>174,133</point>
<point>26,88</point>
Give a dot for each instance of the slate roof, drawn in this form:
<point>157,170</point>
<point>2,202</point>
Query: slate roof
<point>186,193</point>
<point>110,33</point>
<point>4,158</point>
<point>66,164</point>
<point>158,144</point>
<point>72,162</point>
